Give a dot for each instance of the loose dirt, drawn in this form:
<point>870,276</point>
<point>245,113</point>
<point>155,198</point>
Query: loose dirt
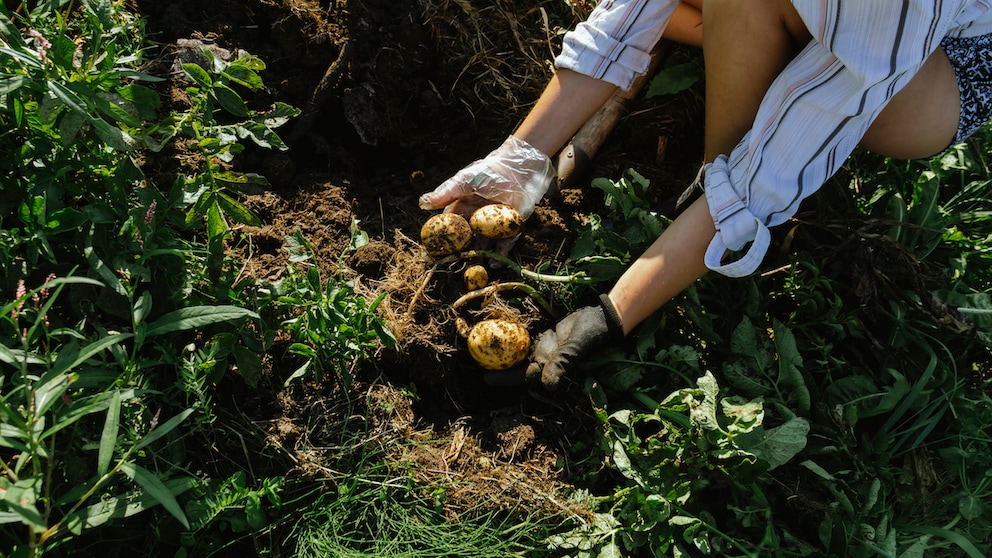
<point>397,95</point>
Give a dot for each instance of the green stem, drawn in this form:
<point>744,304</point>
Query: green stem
<point>575,278</point>
<point>512,286</point>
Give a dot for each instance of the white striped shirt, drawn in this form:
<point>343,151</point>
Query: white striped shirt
<point>813,115</point>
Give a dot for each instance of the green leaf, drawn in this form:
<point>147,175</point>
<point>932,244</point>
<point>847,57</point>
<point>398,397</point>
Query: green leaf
<point>229,100</point>
<point>963,543</point>
<point>198,75</point>
<point>108,438</point>
<point>142,308</point>
<point>216,224</point>
<point>249,365</point>
<point>156,489</point>
<point>121,506</point>
<point>163,429</point>
<point>195,317</point>
<point>87,352</point>
<point>238,212</point>
<point>11,83</point>
<point>790,363</point>
<point>20,498</point>
<point>674,79</point>
<point>776,446</point>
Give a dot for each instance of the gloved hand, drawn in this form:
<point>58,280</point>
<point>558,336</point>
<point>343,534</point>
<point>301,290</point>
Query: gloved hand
<point>515,173</point>
<point>559,350</point>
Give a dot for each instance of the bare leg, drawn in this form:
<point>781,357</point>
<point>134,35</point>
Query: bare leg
<point>686,25</point>
<point>746,46</point>
<point>922,119</point>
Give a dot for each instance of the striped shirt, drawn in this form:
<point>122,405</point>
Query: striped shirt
<point>813,115</point>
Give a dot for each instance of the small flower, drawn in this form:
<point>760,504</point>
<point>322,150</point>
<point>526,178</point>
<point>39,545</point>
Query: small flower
<point>151,212</point>
<point>41,44</point>
<point>18,294</point>
<point>44,290</point>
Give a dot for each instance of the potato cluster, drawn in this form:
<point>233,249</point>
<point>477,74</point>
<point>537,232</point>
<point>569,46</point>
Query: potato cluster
<point>448,233</point>
<point>495,344</point>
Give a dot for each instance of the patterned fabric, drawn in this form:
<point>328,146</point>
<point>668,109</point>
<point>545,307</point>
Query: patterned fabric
<point>812,117</point>
<point>972,61</point>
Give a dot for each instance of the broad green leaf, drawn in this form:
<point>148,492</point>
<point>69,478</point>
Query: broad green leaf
<point>674,79</point>
<point>83,407</point>
<point>108,438</point>
<point>229,100</point>
<point>142,308</point>
<point>195,317</point>
<point>105,272</point>
<point>249,365</point>
<point>216,224</point>
<point>32,61</point>
<point>777,446</point>
<point>155,488</point>
<point>198,75</point>
<point>48,391</point>
<point>238,212</point>
<point>20,498</point>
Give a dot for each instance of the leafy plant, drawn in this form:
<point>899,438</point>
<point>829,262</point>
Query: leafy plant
<point>331,327</point>
<point>211,193</point>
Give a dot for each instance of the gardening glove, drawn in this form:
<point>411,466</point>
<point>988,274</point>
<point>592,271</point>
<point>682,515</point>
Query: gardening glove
<point>516,173</point>
<point>559,350</point>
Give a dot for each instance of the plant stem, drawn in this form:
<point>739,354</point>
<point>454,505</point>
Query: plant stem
<point>512,286</point>
<point>575,278</point>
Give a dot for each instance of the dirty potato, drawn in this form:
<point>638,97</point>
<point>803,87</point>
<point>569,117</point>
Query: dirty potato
<point>498,344</point>
<point>445,233</point>
<point>476,277</point>
<point>497,221</point>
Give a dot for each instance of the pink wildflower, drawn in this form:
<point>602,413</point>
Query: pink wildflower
<point>44,290</point>
<point>18,294</point>
<point>41,44</point>
<point>150,214</point>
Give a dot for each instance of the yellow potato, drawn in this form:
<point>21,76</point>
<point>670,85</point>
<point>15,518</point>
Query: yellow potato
<point>445,233</point>
<point>476,277</point>
<point>498,344</point>
<point>497,220</point>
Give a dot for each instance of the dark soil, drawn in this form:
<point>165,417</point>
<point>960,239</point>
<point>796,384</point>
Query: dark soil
<point>397,95</point>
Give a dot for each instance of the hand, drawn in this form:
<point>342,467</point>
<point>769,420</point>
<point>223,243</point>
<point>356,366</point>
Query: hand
<point>559,350</point>
<point>515,173</point>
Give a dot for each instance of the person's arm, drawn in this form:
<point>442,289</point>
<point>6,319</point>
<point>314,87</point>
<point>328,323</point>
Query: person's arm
<point>606,51</point>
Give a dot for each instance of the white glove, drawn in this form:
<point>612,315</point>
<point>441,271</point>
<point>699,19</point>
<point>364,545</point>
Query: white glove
<point>516,173</point>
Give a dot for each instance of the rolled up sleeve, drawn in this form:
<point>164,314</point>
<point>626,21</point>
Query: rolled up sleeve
<point>814,115</point>
<point>614,44</point>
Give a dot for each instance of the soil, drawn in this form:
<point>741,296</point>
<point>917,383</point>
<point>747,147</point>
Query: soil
<point>396,96</point>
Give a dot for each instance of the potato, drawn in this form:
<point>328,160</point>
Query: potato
<point>498,221</point>
<point>498,344</point>
<point>476,277</point>
<point>445,233</point>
